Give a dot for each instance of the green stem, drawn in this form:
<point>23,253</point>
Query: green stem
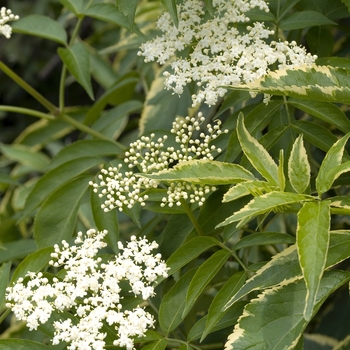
<point>64,68</point>
<point>235,256</point>
<point>193,219</point>
<point>28,112</point>
<point>82,127</point>
<point>4,315</point>
<point>24,85</point>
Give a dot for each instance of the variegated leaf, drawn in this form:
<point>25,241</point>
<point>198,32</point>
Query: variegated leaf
<point>257,154</point>
<point>299,167</point>
<point>313,242</point>
<point>203,172</point>
<point>275,319</point>
<point>255,188</point>
<point>320,83</point>
<point>265,203</point>
<point>329,170</point>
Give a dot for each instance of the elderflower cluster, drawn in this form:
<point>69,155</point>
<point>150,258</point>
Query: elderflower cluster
<point>221,53</point>
<point>91,291</point>
<point>6,15</point>
<point>149,155</point>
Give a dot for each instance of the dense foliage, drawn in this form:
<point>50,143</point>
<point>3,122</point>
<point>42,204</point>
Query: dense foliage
<point>218,136</point>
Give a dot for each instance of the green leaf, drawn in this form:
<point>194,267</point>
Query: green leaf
<point>312,242</point>
<point>229,318</point>
<point>105,221</point>
<point>56,218</point>
<point>55,178</point>
<point>108,13</point>
<point>189,251</point>
<point>227,291</point>
<point>77,60</point>
<point>128,8</point>
<point>346,3</point>
<point>285,265</point>
<point>85,148</point>
<point>20,344</point>
<point>304,19</point>
<point>264,238</point>
<point>41,26</point>
<point>255,188</point>
<point>282,266</point>
<point>209,6</point>
<point>26,156</point>
<point>265,324</point>
<point>318,83</point>
<point>4,280</point>
<point>255,121</point>
<point>75,6</point>
<point>325,111</point>
<point>265,203</point>
<point>34,262</point>
<point>170,6</point>
<point>17,249</point>
<point>299,171</point>
<point>256,154</point>
<point>315,134</point>
<point>329,166</point>
<point>173,303</point>
<point>121,91</point>
<point>203,172</point>
<point>158,345</point>
<point>203,276</point>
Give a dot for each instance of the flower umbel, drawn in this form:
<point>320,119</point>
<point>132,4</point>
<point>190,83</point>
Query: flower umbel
<point>6,15</point>
<point>149,155</point>
<point>91,290</point>
<point>221,53</point>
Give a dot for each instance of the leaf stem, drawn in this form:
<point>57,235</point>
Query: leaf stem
<point>82,127</point>
<point>24,85</point>
<point>64,68</point>
<point>4,315</point>
<point>27,111</point>
<point>193,219</point>
<point>235,256</point>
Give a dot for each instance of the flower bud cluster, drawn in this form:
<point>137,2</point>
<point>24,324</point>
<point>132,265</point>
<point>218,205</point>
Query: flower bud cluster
<point>6,15</point>
<point>91,290</point>
<point>221,54</point>
<point>150,155</point>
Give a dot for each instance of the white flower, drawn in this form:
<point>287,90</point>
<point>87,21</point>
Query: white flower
<point>6,15</point>
<point>124,189</point>
<point>90,289</point>
<point>221,55</point>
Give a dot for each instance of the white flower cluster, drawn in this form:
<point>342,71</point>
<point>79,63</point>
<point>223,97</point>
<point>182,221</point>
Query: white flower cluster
<point>149,155</point>
<point>6,15</point>
<point>91,290</point>
<point>221,54</point>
